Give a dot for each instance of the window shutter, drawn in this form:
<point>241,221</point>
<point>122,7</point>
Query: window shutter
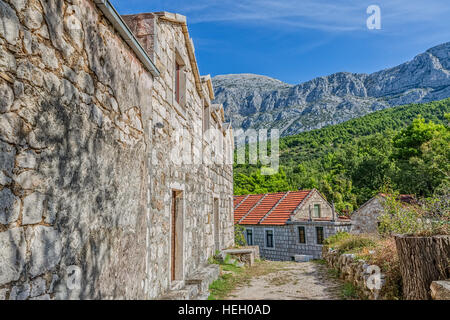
<point>183,87</point>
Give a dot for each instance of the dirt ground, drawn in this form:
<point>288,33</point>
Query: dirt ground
<point>290,281</point>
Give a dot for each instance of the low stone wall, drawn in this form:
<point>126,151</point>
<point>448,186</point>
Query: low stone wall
<point>356,271</point>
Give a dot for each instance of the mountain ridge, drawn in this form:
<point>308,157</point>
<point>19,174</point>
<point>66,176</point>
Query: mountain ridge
<point>256,101</point>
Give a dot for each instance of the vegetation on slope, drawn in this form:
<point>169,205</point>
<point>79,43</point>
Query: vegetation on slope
<point>406,148</point>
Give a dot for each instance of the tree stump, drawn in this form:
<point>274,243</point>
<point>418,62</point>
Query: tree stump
<point>422,261</point>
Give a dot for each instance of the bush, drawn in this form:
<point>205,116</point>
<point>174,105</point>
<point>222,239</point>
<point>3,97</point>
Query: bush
<point>239,238</point>
<point>430,217</point>
<point>349,243</point>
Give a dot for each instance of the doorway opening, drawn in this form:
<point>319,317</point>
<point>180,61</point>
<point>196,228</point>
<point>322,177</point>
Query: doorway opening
<point>176,265</point>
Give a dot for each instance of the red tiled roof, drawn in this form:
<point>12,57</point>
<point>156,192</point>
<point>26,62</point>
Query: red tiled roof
<point>273,208</point>
<point>262,208</point>
<point>246,206</point>
<point>237,200</point>
<point>285,208</point>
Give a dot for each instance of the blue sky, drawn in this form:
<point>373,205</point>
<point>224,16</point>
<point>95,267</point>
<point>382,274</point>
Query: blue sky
<point>296,41</point>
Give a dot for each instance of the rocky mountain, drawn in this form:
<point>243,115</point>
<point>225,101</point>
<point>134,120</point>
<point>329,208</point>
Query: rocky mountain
<point>255,101</point>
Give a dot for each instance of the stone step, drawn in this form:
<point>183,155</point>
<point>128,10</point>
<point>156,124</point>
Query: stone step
<point>204,277</point>
<point>189,292</point>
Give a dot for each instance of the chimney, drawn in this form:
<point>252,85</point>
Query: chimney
<point>143,26</point>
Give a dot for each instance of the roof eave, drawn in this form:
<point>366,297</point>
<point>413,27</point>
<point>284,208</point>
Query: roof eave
<point>115,19</point>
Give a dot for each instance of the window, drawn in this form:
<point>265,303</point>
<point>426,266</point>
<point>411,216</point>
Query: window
<point>317,211</point>
<point>319,233</point>
<point>206,118</point>
<point>301,235</point>
<point>177,82</point>
<point>249,236</point>
<point>269,238</point>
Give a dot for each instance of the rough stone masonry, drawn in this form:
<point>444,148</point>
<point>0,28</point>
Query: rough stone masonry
<point>86,133</point>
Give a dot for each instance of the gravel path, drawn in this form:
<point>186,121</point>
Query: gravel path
<point>291,281</point>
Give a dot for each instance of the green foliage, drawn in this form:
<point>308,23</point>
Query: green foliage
<point>349,291</point>
<point>431,217</point>
<point>349,243</point>
<point>336,238</point>
<point>349,163</point>
<point>239,238</point>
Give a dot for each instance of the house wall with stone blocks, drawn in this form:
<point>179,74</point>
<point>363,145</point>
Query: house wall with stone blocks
<point>85,177</point>
<point>365,219</point>
<point>286,239</point>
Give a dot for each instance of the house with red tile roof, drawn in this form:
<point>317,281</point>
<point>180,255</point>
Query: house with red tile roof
<point>288,225</point>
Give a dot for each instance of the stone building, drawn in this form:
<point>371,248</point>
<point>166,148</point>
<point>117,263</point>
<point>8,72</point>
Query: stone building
<point>365,219</point>
<point>288,224</point>
<point>115,170</point>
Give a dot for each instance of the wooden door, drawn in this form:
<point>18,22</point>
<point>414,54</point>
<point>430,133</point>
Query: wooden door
<point>174,235</point>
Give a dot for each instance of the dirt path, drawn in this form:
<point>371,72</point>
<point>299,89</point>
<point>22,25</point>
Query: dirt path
<point>290,281</point>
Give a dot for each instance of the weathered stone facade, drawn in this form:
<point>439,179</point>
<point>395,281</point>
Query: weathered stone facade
<point>365,219</point>
<point>86,182</point>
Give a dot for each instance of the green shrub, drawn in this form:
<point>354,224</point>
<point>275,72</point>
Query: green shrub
<point>430,217</point>
<point>239,238</point>
<point>345,242</point>
<point>336,238</point>
<point>349,291</point>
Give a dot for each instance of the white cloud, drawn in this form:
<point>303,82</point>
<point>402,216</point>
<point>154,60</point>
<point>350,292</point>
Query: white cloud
<point>326,15</point>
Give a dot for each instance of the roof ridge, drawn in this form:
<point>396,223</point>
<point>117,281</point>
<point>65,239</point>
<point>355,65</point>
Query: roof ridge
<point>245,198</point>
<point>252,208</point>
<point>273,208</point>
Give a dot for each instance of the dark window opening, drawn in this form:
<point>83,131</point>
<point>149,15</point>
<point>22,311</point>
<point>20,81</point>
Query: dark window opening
<point>269,238</point>
<point>249,237</point>
<point>301,235</point>
<point>319,232</point>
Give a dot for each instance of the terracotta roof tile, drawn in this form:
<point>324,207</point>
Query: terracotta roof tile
<point>262,208</point>
<point>259,214</point>
<point>281,214</point>
<point>246,206</point>
<point>237,200</point>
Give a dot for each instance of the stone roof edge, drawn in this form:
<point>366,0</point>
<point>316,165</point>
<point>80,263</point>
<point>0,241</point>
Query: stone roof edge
<point>181,20</point>
<point>121,27</point>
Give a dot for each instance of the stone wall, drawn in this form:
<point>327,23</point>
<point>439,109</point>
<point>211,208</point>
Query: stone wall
<point>365,219</point>
<point>286,239</point>
<point>326,211</point>
<point>181,126</point>
<point>84,180</point>
<point>356,271</point>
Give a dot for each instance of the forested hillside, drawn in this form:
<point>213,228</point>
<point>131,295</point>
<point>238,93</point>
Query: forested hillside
<point>405,148</point>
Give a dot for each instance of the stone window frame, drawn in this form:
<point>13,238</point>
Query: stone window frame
<point>304,234</point>
<point>253,235</point>
<point>273,238</point>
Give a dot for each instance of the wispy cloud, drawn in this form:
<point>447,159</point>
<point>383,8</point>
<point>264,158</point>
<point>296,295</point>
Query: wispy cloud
<point>326,15</point>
